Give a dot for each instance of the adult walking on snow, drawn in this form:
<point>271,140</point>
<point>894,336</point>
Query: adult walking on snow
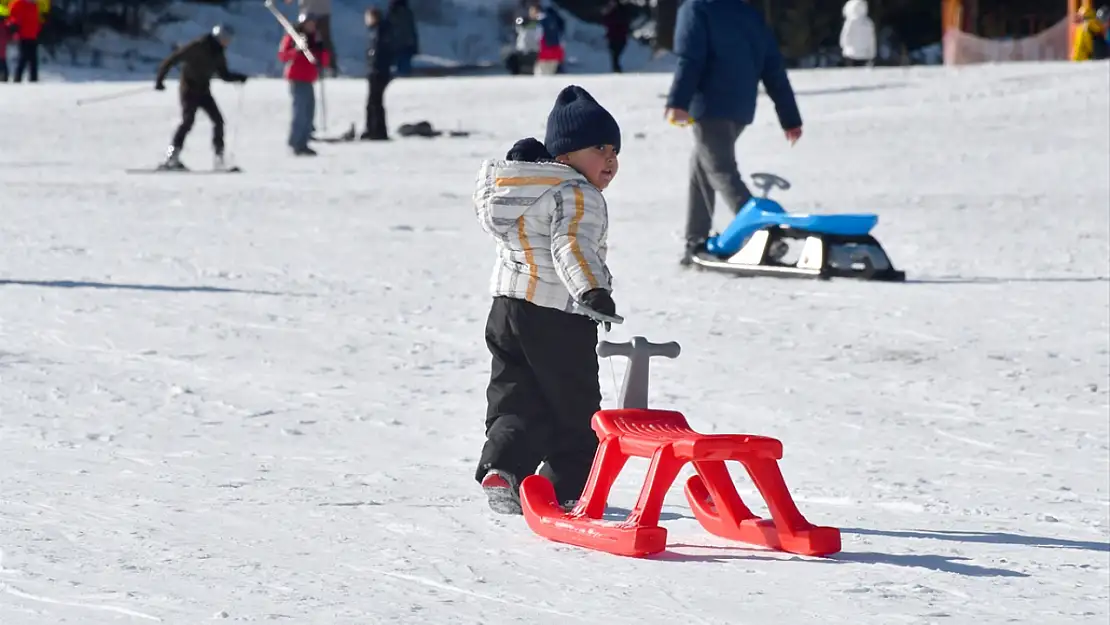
<point>406,42</point>
<point>724,50</point>
<point>25,22</point>
<point>379,64</point>
<point>614,17</point>
<point>321,12</point>
<point>857,37</point>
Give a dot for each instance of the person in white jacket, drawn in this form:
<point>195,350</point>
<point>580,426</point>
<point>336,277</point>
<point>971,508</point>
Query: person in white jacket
<point>857,38</point>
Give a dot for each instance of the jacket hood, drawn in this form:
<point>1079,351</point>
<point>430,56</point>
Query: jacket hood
<point>505,190</point>
<point>855,9</point>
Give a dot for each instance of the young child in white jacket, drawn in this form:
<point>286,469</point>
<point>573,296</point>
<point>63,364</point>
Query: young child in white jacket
<point>857,38</point>
<point>544,208</point>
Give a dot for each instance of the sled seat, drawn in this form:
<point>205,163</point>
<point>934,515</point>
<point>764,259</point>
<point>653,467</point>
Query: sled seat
<point>666,438</point>
<point>641,432</point>
<point>760,213</point>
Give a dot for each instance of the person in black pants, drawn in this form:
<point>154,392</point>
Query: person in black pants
<point>25,22</point>
<point>200,60</point>
<point>379,60</point>
<point>616,22</point>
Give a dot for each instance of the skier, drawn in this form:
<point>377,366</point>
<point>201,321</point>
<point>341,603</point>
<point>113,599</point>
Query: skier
<point>857,37</point>
<point>544,207</point>
<point>379,61</point>
<point>302,75</point>
<point>200,59</point>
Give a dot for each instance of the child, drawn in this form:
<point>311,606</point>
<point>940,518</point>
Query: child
<point>551,53</point>
<point>302,75</point>
<point>544,208</point>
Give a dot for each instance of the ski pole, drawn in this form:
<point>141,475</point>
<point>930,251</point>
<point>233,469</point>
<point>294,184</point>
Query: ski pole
<point>113,96</point>
<point>235,126</point>
<point>323,103</point>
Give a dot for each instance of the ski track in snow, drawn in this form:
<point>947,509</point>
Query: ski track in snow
<point>260,397</point>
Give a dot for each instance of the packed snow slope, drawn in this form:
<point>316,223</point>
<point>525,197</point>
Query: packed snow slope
<point>260,397</point>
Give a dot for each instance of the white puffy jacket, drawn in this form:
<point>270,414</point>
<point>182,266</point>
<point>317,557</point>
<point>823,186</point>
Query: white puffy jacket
<point>550,224</point>
<point>857,38</point>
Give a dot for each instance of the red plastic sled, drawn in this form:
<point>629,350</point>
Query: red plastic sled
<point>666,438</point>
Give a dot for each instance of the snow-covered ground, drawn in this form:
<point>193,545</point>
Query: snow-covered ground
<point>260,397</point>
<point>459,32</point>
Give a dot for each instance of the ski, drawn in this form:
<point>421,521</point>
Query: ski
<point>346,137</point>
<point>165,170</point>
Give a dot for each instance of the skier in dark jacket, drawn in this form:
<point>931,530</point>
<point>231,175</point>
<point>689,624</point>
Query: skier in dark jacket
<point>379,61</point>
<point>200,59</point>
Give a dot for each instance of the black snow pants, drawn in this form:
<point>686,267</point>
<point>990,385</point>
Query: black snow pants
<point>28,60</point>
<point>543,392</point>
<point>375,108</point>
<point>191,100</point>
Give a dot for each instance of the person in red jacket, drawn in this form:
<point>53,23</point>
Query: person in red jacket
<point>25,23</point>
<point>302,75</point>
<point>5,36</point>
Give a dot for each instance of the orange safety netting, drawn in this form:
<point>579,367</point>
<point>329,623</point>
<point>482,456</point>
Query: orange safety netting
<point>962,48</point>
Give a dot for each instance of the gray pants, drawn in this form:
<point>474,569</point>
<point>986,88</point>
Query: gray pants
<point>713,169</point>
<point>304,109</point>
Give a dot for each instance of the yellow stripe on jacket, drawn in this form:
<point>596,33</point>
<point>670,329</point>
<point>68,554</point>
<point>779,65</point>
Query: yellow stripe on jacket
<point>572,234</point>
<point>530,259</point>
<point>524,181</point>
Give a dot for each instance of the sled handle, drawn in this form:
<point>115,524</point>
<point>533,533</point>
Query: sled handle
<point>638,346</point>
<point>634,390</point>
<point>765,182</point>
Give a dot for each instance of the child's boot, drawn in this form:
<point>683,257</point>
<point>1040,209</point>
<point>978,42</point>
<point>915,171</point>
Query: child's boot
<point>502,492</point>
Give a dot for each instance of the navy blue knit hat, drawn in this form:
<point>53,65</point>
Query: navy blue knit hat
<point>577,121</point>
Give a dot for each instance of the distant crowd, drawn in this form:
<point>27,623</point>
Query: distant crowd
<point>540,45</point>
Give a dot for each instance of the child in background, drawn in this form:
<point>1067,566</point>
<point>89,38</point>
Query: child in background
<point>543,205</point>
<point>302,75</point>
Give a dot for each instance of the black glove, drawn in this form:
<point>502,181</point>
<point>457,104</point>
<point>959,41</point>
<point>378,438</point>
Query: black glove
<point>529,151</point>
<point>600,301</point>
<point>158,86</point>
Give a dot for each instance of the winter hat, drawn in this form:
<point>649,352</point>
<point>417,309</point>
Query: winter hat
<point>577,121</point>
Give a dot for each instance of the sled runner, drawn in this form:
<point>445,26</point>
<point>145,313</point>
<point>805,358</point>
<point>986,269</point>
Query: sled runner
<point>756,243</point>
<point>666,438</point>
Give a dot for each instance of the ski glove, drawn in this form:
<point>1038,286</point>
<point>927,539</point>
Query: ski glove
<point>600,301</point>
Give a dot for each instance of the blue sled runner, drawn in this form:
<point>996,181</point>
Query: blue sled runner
<point>756,243</point>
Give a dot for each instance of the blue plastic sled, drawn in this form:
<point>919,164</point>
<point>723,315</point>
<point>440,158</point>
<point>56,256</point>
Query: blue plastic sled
<point>761,212</point>
<point>835,245</point>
